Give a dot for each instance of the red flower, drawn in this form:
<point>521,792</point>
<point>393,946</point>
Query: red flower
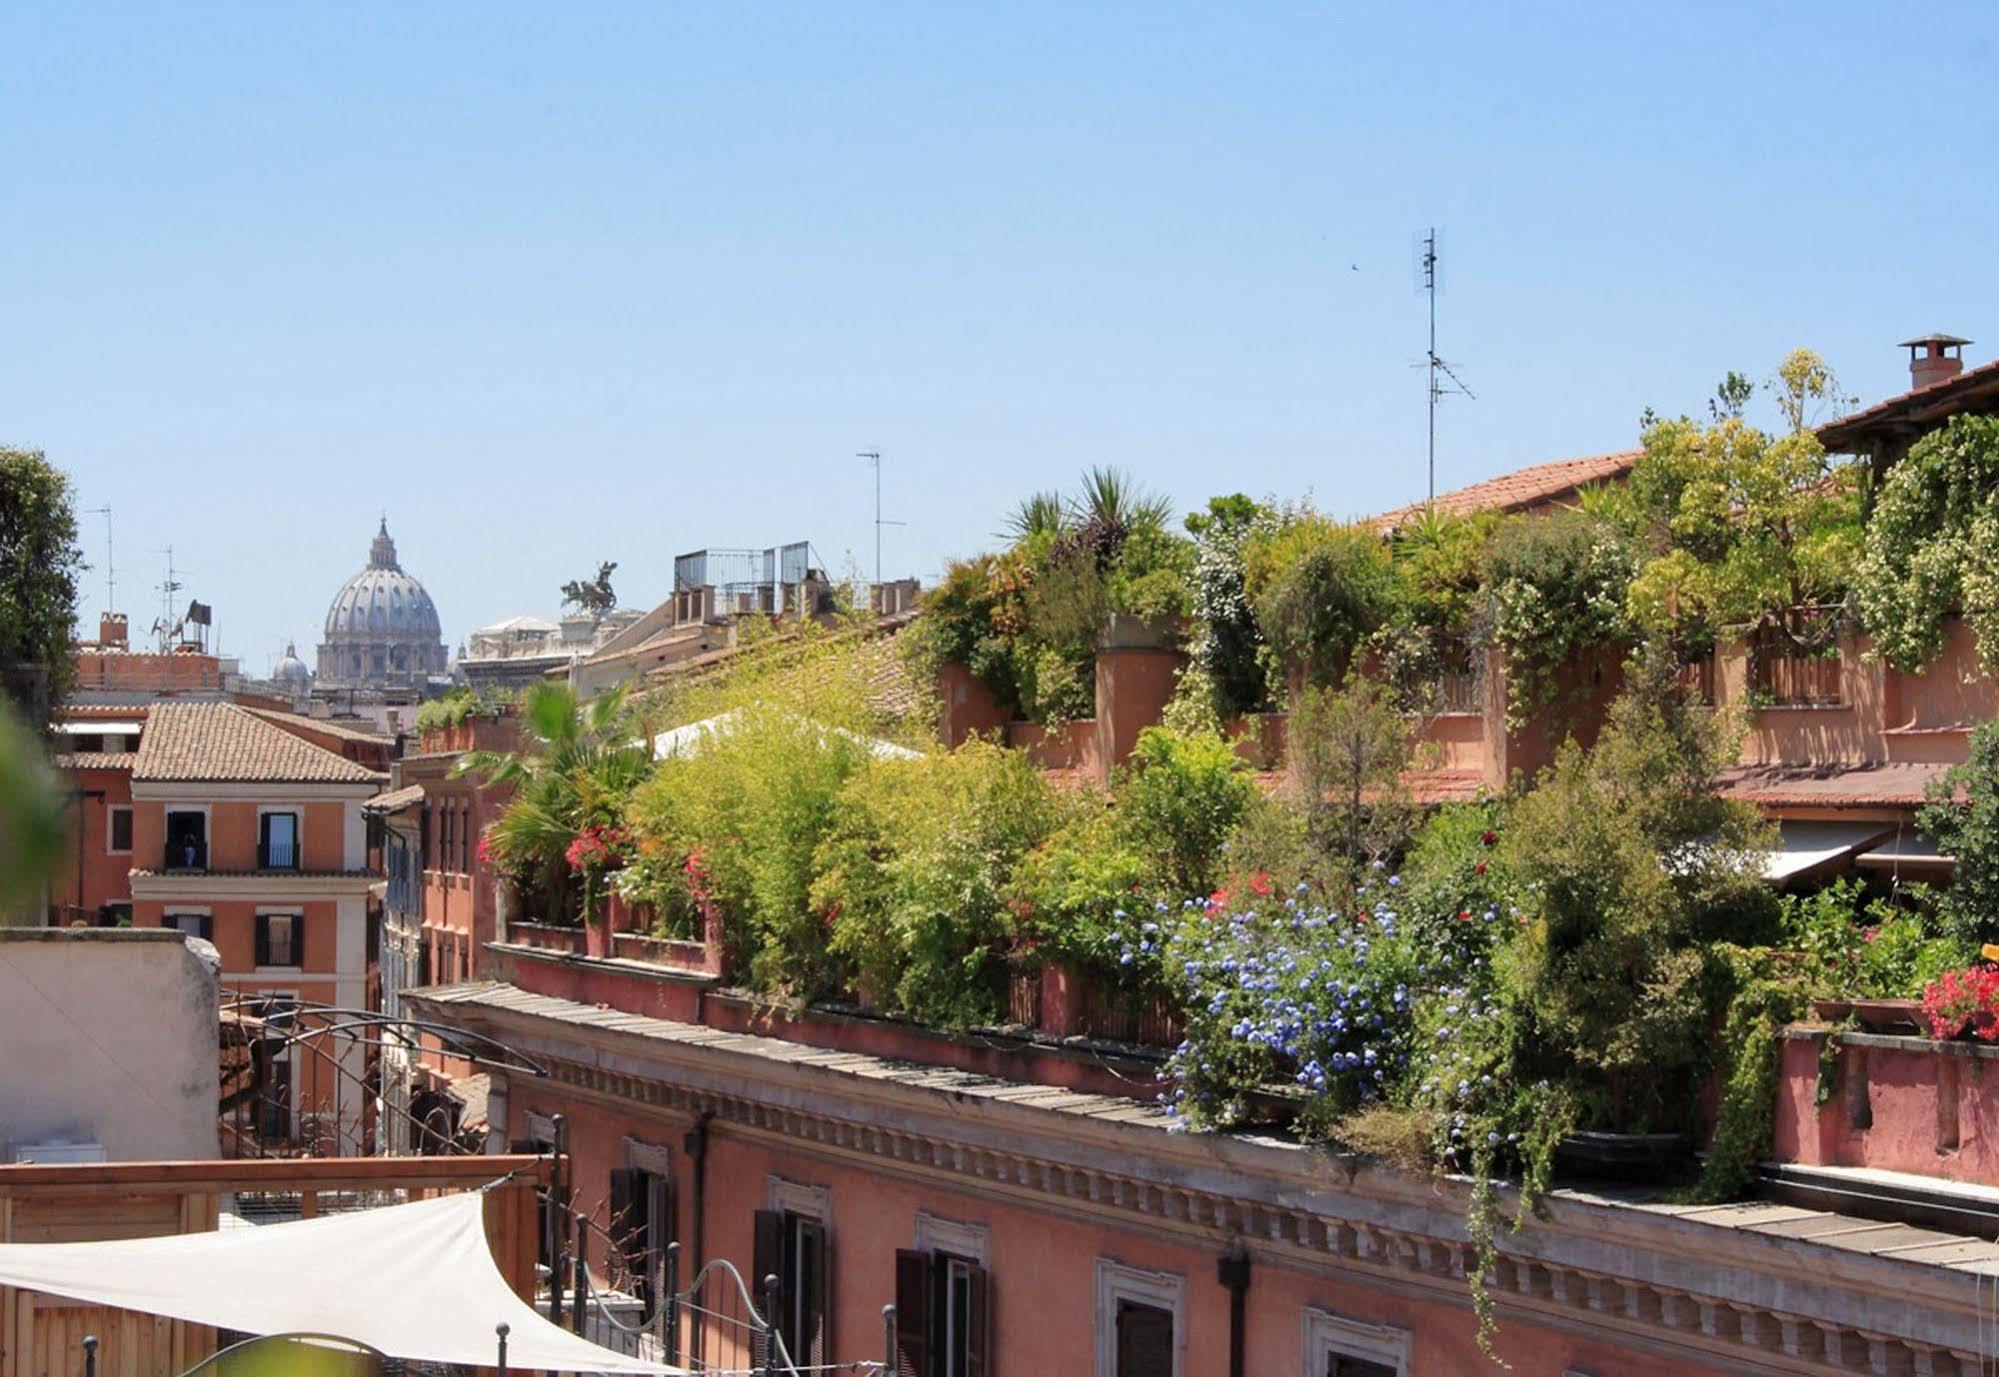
<point>1259,883</point>
<point>1478,869</point>
<point>1489,838</point>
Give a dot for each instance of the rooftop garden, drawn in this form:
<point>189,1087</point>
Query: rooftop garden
<point>1471,988</point>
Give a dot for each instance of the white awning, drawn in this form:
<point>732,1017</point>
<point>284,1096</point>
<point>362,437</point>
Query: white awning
<point>415,1281</point>
<point>1804,846</point>
<point>96,726</point>
<point>1909,848</point>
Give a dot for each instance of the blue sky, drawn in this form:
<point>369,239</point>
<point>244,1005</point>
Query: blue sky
<point>563,283</point>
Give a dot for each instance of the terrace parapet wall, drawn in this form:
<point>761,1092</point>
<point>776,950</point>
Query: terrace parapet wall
<point>1895,1103</point>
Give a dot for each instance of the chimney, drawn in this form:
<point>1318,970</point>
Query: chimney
<point>111,630</point>
<point>1934,359</point>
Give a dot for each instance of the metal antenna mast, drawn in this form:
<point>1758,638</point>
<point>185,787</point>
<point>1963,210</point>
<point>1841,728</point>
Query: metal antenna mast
<point>170,587</point>
<point>110,561</point>
<point>874,457</point>
<point>1427,266</point>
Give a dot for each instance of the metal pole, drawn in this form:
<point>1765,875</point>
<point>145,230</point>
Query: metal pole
<point>558,1215</point>
<point>90,1355</point>
<point>888,1340</point>
<point>770,1325</point>
<point>502,1329</point>
<point>582,1276</point>
<point>669,1303</point>
<point>1430,281</point>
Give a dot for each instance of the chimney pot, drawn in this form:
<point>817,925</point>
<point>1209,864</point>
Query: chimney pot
<point>1934,359</point>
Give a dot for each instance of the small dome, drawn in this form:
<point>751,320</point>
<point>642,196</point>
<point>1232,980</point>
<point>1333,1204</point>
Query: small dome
<point>291,669</point>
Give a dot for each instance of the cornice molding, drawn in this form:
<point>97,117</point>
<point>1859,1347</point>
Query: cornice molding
<point>1424,1251</point>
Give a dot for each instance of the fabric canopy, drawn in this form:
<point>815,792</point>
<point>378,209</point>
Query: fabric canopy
<point>415,1281</point>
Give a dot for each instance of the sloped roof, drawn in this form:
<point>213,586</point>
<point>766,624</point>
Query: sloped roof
<point>1520,489</point>
<point>322,724</point>
<point>223,743</point>
<point>395,800</point>
<point>95,760</point>
<point>1975,389</point>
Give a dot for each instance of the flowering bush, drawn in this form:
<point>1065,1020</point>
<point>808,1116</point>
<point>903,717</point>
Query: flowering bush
<point>1964,1001</point>
<point>1319,996</point>
<point>597,847</point>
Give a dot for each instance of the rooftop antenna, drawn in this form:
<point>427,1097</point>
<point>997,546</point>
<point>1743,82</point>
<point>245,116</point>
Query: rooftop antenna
<point>1426,269</point>
<point>110,561</point>
<point>170,586</point>
<point>874,457</point>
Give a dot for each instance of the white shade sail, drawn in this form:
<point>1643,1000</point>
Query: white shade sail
<point>415,1281</point>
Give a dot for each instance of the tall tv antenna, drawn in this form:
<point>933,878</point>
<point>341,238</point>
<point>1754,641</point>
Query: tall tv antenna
<point>874,457</point>
<point>1426,267</point>
<point>110,560</point>
<point>168,587</point>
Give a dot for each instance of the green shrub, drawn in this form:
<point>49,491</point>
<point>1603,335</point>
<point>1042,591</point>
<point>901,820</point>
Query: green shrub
<point>916,875</point>
<point>1860,949</point>
<point>1177,806</point>
<point>1932,546</point>
<point>1554,584</point>
<point>1082,893</point>
<point>1962,818</point>
<point>1320,588</point>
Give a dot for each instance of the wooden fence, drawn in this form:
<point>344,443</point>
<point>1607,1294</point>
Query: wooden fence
<point>42,1335</point>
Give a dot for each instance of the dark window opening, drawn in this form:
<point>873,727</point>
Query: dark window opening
<point>120,822</point>
<point>793,1248</point>
<point>1339,1365</point>
<point>200,925</point>
<point>187,841</point>
<point>1144,1340</point>
<point>642,1221</point>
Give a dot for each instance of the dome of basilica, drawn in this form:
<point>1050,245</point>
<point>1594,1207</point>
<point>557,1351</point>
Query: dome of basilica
<point>381,629</point>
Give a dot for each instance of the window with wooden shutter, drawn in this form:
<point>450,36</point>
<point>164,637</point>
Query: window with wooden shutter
<point>1144,1340</point>
<point>912,1313</point>
<point>767,1254</point>
<point>810,1337</point>
<point>280,939</point>
<point>978,1324</point>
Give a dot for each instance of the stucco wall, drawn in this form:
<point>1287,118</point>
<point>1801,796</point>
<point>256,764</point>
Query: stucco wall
<point>109,1037</point>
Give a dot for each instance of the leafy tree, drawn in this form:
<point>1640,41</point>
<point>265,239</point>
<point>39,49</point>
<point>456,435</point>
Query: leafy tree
<point>1042,515</point>
<point>1178,805</point>
<point>1553,585</point>
<point>39,560</point>
<point>1227,640</point>
<point>31,823</point>
<point>1962,818</point>
<point>1733,526</point>
<point>1932,546</point>
<point>1629,865</point>
<point>1346,749</point>
<point>1320,588</point>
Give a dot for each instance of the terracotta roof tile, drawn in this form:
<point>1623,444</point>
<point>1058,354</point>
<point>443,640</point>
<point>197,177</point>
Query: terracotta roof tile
<point>1522,488</point>
<point>1938,399</point>
<point>340,730</point>
<point>395,800</point>
<point>1893,784</point>
<point>223,743</point>
<point>95,760</point>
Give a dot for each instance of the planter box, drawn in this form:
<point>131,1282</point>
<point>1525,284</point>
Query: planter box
<point>679,953</point>
<point>1896,1103</point>
<point>1646,1157</point>
<point>547,936</point>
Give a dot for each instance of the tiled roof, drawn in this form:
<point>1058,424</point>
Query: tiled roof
<point>1894,784</point>
<point>1913,408</point>
<point>1520,489</point>
<point>96,760</point>
<point>299,721</point>
<point>223,743</point>
<point>395,800</point>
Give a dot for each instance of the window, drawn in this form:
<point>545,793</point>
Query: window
<point>1140,1324</point>
<point>200,925</point>
<point>642,1217</point>
<point>790,1244</point>
<point>116,914</point>
<point>280,939</point>
<point>943,1304</point>
<point>447,820</point>
<point>277,842</point>
<point>187,840</point>
<point>1336,1346</point>
<point>118,828</point>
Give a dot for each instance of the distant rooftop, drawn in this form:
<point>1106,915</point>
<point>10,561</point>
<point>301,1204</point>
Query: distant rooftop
<point>1521,489</point>
<point>223,743</point>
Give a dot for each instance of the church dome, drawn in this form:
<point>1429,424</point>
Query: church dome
<point>291,669</point>
<point>382,628</point>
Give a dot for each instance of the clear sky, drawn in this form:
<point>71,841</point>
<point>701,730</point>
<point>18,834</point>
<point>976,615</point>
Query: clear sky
<point>569,282</point>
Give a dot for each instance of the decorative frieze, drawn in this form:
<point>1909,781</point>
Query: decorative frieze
<point>1720,1329</point>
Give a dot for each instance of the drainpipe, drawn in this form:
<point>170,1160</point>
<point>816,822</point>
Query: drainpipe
<point>695,1145</point>
<point>1232,1271</point>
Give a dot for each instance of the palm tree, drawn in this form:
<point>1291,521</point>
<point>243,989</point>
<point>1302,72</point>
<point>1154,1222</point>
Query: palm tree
<point>1115,501</point>
<point>578,764</point>
<point>1039,514</point>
